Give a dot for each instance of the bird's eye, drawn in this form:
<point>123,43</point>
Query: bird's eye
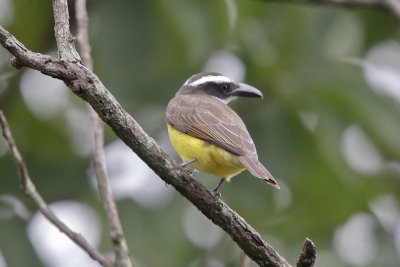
<point>225,88</point>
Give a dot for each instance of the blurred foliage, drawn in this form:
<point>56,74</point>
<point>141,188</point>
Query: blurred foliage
<point>144,50</point>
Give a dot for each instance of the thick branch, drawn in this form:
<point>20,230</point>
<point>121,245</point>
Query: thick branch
<point>117,236</point>
<point>86,85</point>
<point>390,6</point>
<point>29,189</point>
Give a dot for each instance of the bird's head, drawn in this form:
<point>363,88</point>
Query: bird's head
<point>217,85</point>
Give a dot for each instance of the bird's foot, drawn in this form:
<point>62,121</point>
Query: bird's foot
<point>215,191</point>
<point>191,171</point>
<point>219,184</point>
<point>184,164</point>
<point>216,194</point>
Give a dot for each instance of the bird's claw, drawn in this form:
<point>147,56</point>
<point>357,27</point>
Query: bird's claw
<point>217,194</point>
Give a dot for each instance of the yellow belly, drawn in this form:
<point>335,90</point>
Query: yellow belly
<point>210,158</point>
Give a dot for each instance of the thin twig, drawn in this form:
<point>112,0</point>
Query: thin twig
<point>117,236</point>
<point>390,6</point>
<point>307,255</point>
<point>29,189</point>
<point>82,35</point>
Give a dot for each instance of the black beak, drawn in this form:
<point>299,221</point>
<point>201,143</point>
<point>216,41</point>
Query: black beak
<point>245,90</point>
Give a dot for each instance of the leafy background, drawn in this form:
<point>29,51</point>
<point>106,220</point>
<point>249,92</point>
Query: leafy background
<point>328,129</point>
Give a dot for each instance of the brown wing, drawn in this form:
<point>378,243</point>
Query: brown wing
<point>208,119</point>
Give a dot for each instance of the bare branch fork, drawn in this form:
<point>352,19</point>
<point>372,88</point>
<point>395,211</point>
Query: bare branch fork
<point>86,85</point>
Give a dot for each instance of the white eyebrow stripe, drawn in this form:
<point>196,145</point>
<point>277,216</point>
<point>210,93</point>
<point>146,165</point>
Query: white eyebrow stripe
<point>210,78</point>
<point>187,81</point>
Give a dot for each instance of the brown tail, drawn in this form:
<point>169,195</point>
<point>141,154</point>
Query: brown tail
<point>257,169</point>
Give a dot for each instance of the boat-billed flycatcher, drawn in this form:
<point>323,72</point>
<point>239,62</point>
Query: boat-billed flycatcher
<point>207,133</point>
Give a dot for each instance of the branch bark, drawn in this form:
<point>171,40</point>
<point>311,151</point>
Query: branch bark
<point>87,86</point>
<point>29,189</point>
<point>390,6</point>
<point>64,38</point>
<point>115,228</point>
<point>307,254</point>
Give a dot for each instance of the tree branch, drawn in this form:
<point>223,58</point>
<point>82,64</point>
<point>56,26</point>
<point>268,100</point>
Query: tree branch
<point>390,6</point>
<point>87,86</point>
<point>64,38</point>
<point>116,233</point>
<point>29,189</point>
<point>307,255</point>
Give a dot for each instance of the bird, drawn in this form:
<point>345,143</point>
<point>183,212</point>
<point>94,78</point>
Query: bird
<point>207,134</point>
